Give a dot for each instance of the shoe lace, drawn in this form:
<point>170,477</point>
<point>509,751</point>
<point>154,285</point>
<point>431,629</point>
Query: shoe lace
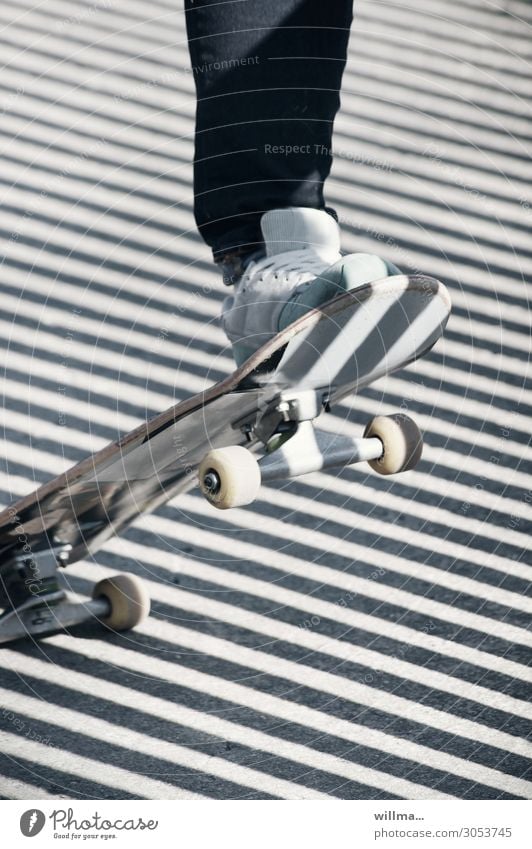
<point>300,265</point>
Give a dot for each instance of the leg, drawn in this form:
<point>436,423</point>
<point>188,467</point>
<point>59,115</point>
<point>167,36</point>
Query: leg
<point>268,75</point>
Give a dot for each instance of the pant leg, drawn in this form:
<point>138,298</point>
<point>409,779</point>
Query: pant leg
<point>267,75</point>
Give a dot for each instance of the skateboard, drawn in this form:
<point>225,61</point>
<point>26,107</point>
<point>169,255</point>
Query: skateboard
<point>256,425</point>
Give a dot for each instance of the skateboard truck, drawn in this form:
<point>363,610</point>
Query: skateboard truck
<point>231,476</point>
<point>283,413</point>
<point>37,604</point>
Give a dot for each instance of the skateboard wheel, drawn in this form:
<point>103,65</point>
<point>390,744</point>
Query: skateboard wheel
<point>128,600</point>
<point>229,477</point>
<point>401,440</point>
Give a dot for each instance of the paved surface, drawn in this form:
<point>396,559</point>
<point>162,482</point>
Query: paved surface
<point>349,636</point>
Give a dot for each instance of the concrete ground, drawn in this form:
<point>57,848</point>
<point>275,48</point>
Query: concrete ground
<point>348,636</point>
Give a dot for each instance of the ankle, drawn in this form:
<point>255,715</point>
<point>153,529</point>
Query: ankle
<point>233,264</point>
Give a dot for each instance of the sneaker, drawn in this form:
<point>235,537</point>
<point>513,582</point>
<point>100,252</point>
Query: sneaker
<point>299,269</point>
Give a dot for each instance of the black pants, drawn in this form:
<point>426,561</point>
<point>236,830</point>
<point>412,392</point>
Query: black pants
<point>268,75</point>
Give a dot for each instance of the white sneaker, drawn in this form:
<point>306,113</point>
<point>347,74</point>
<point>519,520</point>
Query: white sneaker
<point>302,269</point>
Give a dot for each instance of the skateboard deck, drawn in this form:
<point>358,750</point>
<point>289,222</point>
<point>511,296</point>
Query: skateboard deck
<point>324,356</point>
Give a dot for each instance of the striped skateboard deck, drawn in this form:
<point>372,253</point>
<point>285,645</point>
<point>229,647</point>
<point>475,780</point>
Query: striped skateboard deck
<point>326,354</point>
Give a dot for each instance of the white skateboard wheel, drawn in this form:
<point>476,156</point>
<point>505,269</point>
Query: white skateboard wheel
<point>128,599</point>
<point>229,477</point>
<point>402,443</point>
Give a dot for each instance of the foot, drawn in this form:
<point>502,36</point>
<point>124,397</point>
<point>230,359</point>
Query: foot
<point>299,269</point>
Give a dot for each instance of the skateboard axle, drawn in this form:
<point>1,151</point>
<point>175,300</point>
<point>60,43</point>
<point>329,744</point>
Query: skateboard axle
<point>47,614</point>
<point>211,481</point>
<point>312,450</point>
